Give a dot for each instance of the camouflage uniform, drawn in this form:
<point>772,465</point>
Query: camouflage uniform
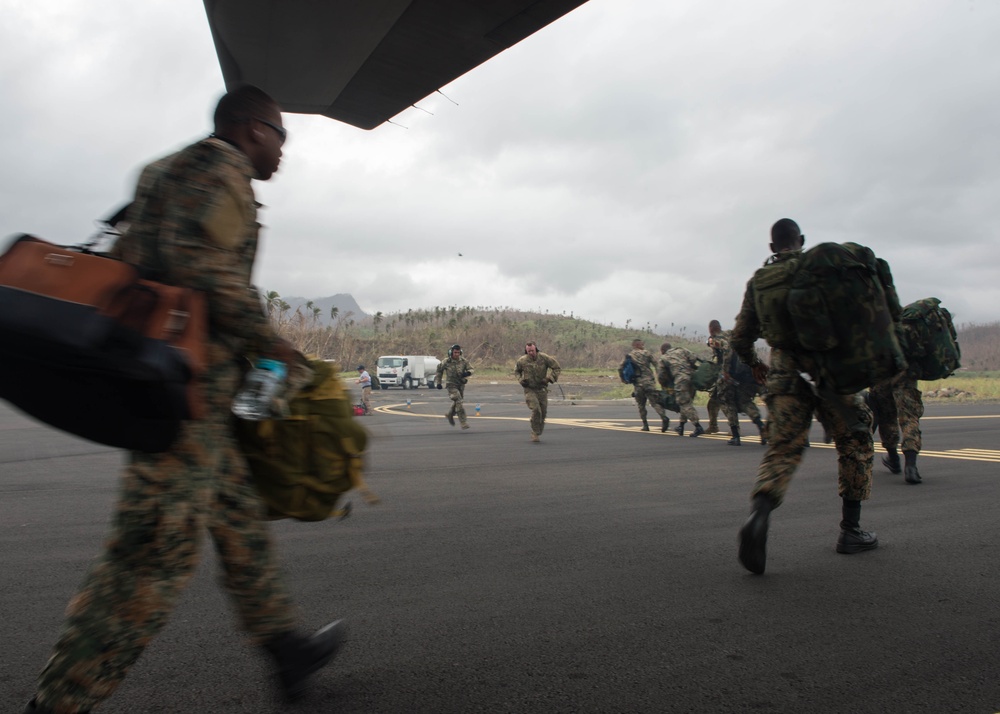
<point>731,396</point>
<point>450,373</point>
<point>534,374</point>
<point>645,383</point>
<point>899,407</point>
<point>193,224</point>
<point>791,401</point>
<point>682,365</point>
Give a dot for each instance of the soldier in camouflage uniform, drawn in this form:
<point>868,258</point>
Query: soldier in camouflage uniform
<point>791,402</point>
<point>681,364</point>
<point>453,372</point>
<point>536,371</point>
<point>644,384</point>
<point>899,407</point>
<point>731,394</point>
<point>193,224</point>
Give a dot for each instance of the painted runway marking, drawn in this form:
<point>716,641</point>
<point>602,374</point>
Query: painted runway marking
<point>629,425</point>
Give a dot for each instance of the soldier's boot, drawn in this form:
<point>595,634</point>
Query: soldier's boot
<point>680,428</point>
<point>891,461</point>
<point>827,439</point>
<point>713,422</point>
<point>735,431</point>
<point>666,424</point>
<point>911,474</point>
<point>762,428</point>
<point>645,424</point>
<point>299,656</point>
<point>698,430</point>
<point>753,535</point>
<point>852,539</point>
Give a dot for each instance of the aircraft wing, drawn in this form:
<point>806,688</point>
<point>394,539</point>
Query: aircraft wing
<point>364,61</point>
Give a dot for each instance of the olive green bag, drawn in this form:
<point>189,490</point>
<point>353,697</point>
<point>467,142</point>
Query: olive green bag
<point>302,463</point>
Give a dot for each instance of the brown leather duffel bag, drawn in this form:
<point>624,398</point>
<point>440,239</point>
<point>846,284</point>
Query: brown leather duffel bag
<point>88,346</point>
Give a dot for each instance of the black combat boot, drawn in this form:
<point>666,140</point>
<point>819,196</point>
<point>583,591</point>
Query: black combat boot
<point>666,424</point>
<point>680,428</point>
<point>34,708</point>
<point>753,535</point>
<point>762,428</point>
<point>891,461</point>
<point>735,431</point>
<point>645,424</point>
<point>698,431</point>
<point>852,539</point>
<point>911,475</point>
<point>298,656</point>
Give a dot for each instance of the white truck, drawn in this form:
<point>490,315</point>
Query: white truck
<point>407,371</point>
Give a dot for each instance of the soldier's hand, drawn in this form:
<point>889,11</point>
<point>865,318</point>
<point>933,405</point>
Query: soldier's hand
<point>440,386</point>
<point>760,372</point>
<point>549,380</point>
<point>524,383</point>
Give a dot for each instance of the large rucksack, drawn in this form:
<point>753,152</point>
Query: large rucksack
<point>929,340</point>
<point>835,304</point>
<point>629,371</point>
<point>303,462</point>
<point>705,375</point>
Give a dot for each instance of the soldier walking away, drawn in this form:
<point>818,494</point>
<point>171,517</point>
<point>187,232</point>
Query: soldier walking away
<point>736,388</point>
<point>365,380</point>
<point>536,371</point>
<point>643,382</point>
<point>899,406</point>
<point>453,372</point>
<point>791,402</point>
<point>682,364</point>
<point>194,224</point>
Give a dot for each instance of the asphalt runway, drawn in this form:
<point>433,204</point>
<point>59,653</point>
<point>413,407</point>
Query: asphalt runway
<point>593,572</point>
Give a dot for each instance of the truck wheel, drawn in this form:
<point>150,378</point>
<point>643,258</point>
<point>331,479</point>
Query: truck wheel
<point>408,383</point>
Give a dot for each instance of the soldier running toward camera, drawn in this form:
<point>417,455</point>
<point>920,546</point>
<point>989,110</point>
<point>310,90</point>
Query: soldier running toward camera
<point>536,371</point>
<point>453,373</point>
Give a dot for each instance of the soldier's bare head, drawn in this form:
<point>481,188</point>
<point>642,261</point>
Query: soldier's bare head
<point>531,349</point>
<point>785,236</point>
<point>251,120</point>
<point>638,344</point>
<point>664,347</point>
<point>714,327</point>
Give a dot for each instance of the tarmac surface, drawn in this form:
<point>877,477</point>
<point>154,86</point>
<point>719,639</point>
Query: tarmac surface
<point>595,571</point>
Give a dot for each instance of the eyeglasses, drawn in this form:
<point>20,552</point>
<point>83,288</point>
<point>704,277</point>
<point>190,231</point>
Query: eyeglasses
<point>282,132</point>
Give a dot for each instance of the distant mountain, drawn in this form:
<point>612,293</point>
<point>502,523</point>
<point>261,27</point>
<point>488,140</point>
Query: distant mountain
<point>343,302</point>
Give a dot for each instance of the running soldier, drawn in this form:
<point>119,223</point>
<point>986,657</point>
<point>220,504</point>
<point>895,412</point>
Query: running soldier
<point>644,382</point>
<point>453,373</point>
<point>682,364</point>
<point>536,371</point>
<point>791,402</point>
<point>733,393</point>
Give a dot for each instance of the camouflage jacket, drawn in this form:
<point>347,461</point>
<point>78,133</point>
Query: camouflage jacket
<point>452,370</point>
<point>747,329</point>
<point>682,362</point>
<point>535,371</point>
<point>193,223</point>
<point>722,351</point>
<point>645,366</point>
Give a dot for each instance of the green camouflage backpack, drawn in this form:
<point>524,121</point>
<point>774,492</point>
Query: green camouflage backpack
<point>302,463</point>
<point>836,304</point>
<point>929,340</point>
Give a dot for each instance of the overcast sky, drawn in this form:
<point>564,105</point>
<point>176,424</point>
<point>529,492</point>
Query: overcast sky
<point>625,162</point>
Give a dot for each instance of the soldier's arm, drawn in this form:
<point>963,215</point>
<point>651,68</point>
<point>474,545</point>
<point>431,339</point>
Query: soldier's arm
<point>208,225</point>
<point>518,369</point>
<point>555,369</point>
<point>747,329</point>
<point>467,367</point>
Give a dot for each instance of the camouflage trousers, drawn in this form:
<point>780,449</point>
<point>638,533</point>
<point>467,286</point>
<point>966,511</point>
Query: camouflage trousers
<point>538,402</point>
<point>457,394</point>
<point>790,416</point>
<point>167,501</point>
<point>733,401</point>
<point>900,407</point>
<point>647,391</point>
<point>684,394</point>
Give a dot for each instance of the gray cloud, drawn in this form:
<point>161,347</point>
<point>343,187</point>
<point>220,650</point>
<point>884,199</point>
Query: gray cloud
<point>624,163</point>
